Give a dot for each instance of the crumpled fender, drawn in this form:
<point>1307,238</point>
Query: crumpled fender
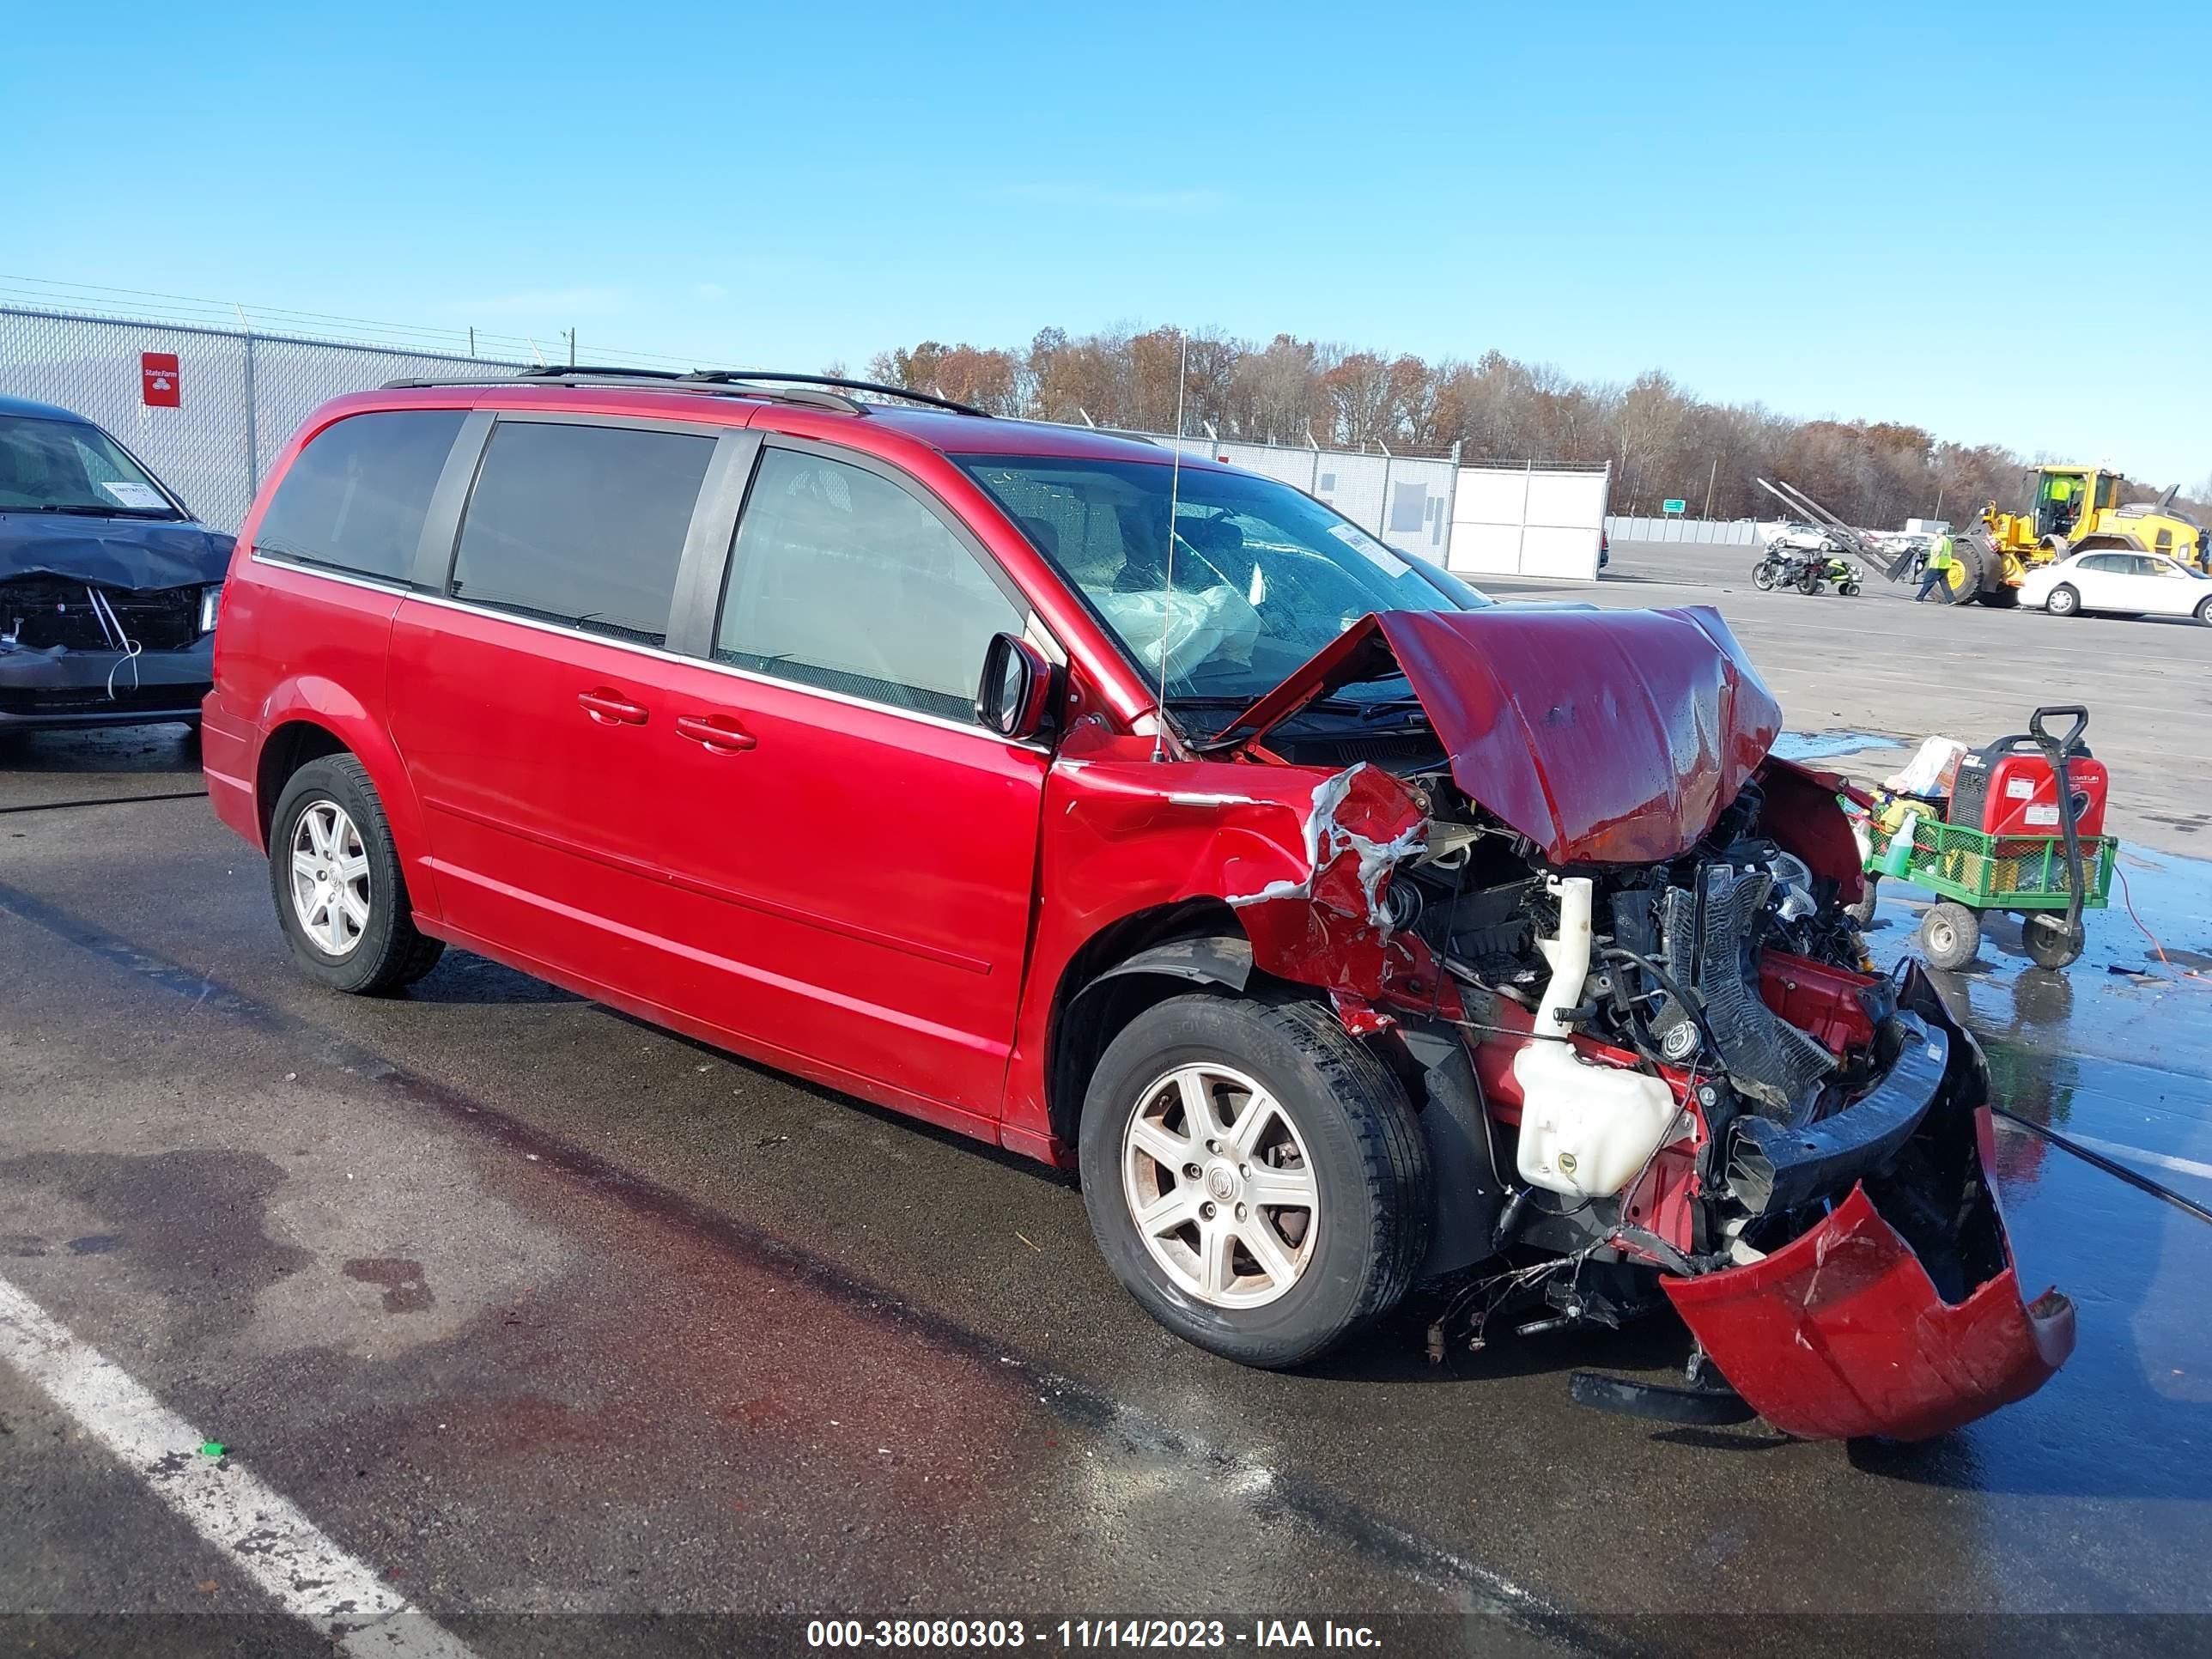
<point>1841,1332</point>
<point>1804,818</point>
<point>1302,855</point>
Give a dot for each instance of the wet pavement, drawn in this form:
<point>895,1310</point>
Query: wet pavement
<point>549,1315</point>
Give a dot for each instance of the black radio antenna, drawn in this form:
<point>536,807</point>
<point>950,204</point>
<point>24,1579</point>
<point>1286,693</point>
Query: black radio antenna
<point>1167,594</point>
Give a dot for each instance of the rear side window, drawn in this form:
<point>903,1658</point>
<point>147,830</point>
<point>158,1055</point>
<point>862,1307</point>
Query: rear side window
<point>581,525</point>
<point>356,497</point>
<point>841,578</point>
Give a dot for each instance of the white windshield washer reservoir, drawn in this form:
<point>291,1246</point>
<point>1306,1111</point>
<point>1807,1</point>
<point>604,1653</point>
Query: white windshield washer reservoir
<point>1586,1129</point>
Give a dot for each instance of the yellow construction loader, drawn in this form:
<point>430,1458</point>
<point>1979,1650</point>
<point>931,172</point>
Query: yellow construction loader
<point>2073,509</point>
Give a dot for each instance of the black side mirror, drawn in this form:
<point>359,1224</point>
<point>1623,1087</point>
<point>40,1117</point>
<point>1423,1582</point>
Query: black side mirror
<point>1014,697</point>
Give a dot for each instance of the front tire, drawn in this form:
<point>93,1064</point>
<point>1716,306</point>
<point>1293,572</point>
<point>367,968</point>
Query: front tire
<point>2065,601</point>
<point>2204,613</point>
<point>1255,1176</point>
<point>1951,935</point>
<point>335,875</point>
<point>1762,576</point>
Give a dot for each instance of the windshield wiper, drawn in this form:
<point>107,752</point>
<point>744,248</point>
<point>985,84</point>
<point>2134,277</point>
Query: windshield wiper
<point>1327,705</point>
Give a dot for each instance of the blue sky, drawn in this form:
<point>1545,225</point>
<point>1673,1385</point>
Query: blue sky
<point>1859,210</point>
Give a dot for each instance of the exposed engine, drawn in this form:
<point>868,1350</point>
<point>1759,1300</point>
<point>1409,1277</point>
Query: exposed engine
<point>1654,1075</point>
<point>1674,969</point>
<point>1644,1008</point>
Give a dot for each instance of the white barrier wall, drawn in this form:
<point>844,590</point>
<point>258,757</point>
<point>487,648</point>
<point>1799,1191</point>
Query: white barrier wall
<point>1528,521</point>
<point>1723,533</point>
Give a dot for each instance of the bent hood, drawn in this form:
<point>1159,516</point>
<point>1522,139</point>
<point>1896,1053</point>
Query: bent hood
<point>1606,736</point>
<point>127,553</point>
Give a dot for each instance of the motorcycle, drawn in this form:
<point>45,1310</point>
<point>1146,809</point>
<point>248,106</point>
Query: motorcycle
<point>1806,571</point>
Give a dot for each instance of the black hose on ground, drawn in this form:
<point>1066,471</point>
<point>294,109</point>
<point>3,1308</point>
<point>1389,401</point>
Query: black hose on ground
<point>2110,1166</point>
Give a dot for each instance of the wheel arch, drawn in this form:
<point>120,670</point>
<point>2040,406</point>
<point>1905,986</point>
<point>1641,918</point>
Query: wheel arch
<point>284,752</point>
<point>1123,970</point>
<point>316,719</point>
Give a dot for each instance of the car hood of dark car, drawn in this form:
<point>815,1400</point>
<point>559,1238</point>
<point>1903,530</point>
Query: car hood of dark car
<point>1606,736</point>
<point>127,553</point>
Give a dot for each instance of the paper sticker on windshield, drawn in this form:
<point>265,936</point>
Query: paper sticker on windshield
<point>135,495</point>
<point>1369,548</point>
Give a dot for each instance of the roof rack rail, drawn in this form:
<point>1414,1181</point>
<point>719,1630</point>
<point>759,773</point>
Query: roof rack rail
<point>813,389</point>
<point>657,380</point>
<point>777,377</point>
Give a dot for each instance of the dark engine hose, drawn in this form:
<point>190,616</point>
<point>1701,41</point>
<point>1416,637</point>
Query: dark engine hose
<point>1695,1011</point>
<point>2121,1171</point>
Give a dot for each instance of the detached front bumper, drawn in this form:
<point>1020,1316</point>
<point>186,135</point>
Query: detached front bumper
<point>1844,1331</point>
<point>58,688</point>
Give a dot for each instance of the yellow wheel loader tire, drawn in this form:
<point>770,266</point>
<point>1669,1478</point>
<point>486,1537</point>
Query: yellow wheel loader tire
<point>1971,573</point>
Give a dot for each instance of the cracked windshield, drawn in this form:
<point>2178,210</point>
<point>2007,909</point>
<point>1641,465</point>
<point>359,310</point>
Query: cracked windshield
<point>1263,576</point>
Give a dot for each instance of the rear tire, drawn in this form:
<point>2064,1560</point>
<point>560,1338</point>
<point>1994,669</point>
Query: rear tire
<point>2048,945</point>
<point>1809,583</point>
<point>2064,600</point>
<point>2204,613</point>
<point>334,873</point>
<point>1950,935</point>
<point>1849,590</point>
<point>1345,1134</point>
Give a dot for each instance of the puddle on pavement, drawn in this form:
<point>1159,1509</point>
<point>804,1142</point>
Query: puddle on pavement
<point>1826,745</point>
<point>2115,1050</point>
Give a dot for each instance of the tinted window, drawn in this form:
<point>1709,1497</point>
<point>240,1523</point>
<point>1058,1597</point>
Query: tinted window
<point>356,497</point>
<point>581,525</point>
<point>841,578</point>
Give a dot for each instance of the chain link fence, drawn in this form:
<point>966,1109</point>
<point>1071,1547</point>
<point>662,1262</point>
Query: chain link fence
<point>240,395</point>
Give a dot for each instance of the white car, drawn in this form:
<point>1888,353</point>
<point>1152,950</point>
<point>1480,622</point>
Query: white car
<point>1803,538</point>
<point>2136,584</point>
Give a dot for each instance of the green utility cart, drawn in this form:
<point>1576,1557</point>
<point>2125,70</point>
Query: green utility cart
<point>2047,881</point>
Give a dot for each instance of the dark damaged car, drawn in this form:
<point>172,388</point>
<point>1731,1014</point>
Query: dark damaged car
<point>1343,929</point>
<point>108,587</point>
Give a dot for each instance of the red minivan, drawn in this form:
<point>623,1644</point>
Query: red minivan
<point>1343,929</point>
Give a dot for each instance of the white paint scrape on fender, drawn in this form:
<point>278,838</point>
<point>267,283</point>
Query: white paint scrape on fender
<point>1585,1129</point>
<point>1326,839</point>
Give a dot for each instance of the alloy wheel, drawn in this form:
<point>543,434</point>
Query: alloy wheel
<point>330,877</point>
<point>1219,1186</point>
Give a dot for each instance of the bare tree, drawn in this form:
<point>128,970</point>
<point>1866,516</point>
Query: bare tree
<point>1661,442</point>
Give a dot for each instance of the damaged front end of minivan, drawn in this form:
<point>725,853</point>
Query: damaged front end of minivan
<point>1609,925</point>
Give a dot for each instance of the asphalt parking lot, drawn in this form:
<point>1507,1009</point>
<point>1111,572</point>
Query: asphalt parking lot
<point>581,1337</point>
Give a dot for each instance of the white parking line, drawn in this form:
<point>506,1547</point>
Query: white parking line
<point>263,1535</point>
<point>2188,1166</point>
